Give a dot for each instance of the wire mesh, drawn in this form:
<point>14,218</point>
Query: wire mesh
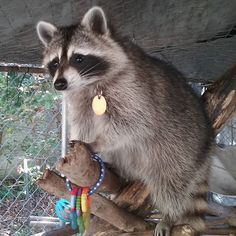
<point>30,140</point>
<point>227,137</point>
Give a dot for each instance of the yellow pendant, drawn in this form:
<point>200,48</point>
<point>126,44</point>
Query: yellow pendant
<point>99,105</point>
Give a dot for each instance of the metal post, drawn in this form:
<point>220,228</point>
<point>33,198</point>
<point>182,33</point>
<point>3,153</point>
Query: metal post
<point>63,136</point>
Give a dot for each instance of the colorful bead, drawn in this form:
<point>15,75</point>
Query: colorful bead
<point>77,212</point>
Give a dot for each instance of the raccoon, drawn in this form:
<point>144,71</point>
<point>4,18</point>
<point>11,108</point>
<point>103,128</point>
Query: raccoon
<point>155,129</point>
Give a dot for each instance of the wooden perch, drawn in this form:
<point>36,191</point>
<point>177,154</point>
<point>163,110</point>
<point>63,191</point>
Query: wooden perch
<point>135,198</point>
<point>63,231</point>
<point>185,230</point>
<point>86,172</point>
<point>101,207</point>
<point>105,209</point>
<point>220,99</point>
<point>22,69</point>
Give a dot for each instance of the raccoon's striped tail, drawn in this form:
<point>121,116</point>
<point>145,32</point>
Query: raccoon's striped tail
<point>195,216</point>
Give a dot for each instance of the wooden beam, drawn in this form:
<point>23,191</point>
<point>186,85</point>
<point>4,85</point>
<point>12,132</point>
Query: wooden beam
<point>22,69</point>
<point>87,171</point>
<point>101,207</point>
<point>135,198</point>
<point>220,99</point>
<point>62,231</point>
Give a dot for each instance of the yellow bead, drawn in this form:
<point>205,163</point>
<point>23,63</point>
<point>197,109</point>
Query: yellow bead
<point>99,105</point>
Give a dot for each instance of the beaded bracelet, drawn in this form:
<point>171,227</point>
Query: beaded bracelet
<point>94,188</point>
<point>77,211</point>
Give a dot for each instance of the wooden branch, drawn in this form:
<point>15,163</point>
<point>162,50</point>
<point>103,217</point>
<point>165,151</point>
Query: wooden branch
<point>101,207</point>
<point>220,231</point>
<point>86,172</point>
<point>135,198</point>
<point>144,233</point>
<point>220,99</point>
<point>116,216</point>
<point>22,69</point>
<point>97,226</point>
<point>63,231</point>
<point>185,230</point>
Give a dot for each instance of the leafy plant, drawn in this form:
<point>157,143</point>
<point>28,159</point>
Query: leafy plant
<point>27,103</point>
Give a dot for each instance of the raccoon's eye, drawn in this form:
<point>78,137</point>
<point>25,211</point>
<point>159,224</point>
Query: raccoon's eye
<point>79,58</point>
<point>53,66</point>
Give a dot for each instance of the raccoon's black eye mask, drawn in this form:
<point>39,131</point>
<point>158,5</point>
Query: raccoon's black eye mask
<point>86,65</point>
<point>89,65</point>
<point>53,66</point>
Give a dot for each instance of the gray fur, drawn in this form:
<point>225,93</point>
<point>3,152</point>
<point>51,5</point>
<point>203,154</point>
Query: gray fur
<point>155,129</point>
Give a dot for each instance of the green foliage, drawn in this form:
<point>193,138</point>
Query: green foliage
<point>11,190</point>
<point>30,116</point>
<point>29,129</point>
<point>23,95</point>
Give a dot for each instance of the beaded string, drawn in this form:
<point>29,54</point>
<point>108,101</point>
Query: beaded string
<point>95,187</point>
<point>100,180</point>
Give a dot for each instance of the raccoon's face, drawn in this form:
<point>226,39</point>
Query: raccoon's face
<point>82,54</point>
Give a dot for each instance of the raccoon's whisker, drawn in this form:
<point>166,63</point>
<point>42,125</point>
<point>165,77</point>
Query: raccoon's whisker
<point>91,68</point>
<point>92,74</point>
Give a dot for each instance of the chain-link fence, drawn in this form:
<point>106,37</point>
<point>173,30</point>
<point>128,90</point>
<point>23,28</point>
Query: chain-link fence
<point>227,136</point>
<point>30,140</point>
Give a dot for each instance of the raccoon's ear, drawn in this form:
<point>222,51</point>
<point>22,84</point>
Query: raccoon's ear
<point>45,32</point>
<point>95,21</point>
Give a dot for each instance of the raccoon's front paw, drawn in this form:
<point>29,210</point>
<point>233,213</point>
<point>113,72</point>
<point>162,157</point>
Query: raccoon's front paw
<point>162,229</point>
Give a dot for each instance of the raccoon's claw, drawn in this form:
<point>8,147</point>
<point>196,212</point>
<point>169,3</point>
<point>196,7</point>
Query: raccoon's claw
<point>162,229</point>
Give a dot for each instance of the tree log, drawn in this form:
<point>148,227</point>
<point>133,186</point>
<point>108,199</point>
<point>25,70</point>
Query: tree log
<point>63,231</point>
<point>86,172</point>
<point>144,233</point>
<point>22,69</point>
<point>98,226</point>
<point>185,230</point>
<point>134,197</point>
<point>220,99</point>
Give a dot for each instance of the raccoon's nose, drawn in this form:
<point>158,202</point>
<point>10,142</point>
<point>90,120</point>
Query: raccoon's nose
<point>60,84</point>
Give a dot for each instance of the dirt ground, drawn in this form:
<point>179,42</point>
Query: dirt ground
<point>15,213</point>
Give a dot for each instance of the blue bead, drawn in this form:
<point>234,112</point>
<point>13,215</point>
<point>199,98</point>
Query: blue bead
<point>97,158</point>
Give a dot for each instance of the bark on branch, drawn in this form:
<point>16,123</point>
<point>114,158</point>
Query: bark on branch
<point>22,69</point>
<point>220,99</point>
<point>86,172</point>
<point>101,207</point>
